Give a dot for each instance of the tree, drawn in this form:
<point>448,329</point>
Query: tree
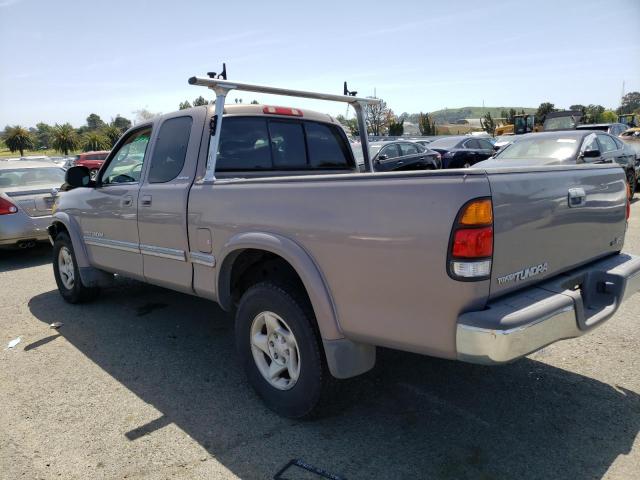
<point>95,141</point>
<point>254,102</point>
<point>488,125</point>
<point>113,133</point>
<point>377,117</point>
<point>143,115</point>
<point>43,135</point>
<point>18,138</point>
<point>396,128</point>
<point>608,116</point>
<point>65,138</point>
<point>94,122</point>
<point>184,105</point>
<point>630,103</point>
<point>543,109</point>
<point>200,101</point>
<point>426,125</point>
<point>351,125</point>
<point>512,116</point>
<point>123,124</point>
<point>593,113</point>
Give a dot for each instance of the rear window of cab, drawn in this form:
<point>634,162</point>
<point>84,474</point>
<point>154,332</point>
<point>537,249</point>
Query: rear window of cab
<point>265,143</point>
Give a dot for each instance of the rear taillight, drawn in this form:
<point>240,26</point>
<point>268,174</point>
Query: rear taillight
<point>471,244</point>
<point>6,207</point>
<point>292,112</point>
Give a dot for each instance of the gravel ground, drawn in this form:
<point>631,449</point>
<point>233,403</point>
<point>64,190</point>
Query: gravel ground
<point>144,383</point>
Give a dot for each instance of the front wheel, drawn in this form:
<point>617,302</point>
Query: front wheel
<point>279,347</point>
<point>66,273</point>
<point>632,180</point>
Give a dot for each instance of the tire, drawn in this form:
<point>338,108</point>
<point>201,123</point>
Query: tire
<point>632,180</point>
<point>67,274</point>
<point>290,397</point>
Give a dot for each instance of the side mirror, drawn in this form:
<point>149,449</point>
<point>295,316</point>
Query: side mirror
<point>382,157</point>
<point>496,148</point>
<point>591,154</point>
<point>78,177</point>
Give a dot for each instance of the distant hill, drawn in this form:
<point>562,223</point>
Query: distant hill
<point>452,115</point>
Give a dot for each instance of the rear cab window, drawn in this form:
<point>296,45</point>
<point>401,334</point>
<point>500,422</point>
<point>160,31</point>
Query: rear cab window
<point>256,143</point>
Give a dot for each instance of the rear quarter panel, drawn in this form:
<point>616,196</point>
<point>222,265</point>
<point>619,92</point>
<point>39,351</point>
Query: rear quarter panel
<point>380,242</point>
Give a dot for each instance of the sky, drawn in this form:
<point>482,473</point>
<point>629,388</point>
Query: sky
<point>62,60</point>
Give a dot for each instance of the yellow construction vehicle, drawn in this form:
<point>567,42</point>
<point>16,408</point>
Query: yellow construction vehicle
<point>525,123</point>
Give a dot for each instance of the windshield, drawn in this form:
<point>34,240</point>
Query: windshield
<point>23,177</point>
<point>540,148</point>
<point>444,143</point>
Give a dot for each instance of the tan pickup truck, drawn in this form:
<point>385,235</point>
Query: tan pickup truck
<point>263,210</point>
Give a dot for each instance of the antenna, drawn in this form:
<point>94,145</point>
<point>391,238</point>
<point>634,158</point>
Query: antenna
<point>222,75</point>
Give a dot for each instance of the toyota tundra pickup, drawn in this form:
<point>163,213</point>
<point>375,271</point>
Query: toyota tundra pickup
<point>264,210</point>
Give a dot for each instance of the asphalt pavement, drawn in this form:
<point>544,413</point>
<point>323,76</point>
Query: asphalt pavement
<point>144,383</point>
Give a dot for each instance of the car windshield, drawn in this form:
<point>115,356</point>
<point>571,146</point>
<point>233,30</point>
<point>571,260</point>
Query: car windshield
<point>444,143</point>
<point>556,148</point>
<point>23,177</point>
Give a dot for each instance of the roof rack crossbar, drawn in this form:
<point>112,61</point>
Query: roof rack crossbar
<point>223,86</point>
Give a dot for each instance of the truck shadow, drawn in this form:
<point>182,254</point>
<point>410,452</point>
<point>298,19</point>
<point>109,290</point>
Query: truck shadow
<point>411,417</point>
<point>19,258</point>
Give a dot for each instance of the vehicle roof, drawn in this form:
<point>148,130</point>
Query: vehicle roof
<point>94,151</point>
<point>26,164</point>
<point>387,142</point>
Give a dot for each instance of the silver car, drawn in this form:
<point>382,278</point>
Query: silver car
<point>28,190</point>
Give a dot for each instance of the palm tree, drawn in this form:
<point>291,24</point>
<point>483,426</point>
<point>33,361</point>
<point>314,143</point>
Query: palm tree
<point>95,141</point>
<point>18,138</point>
<point>113,133</point>
<point>65,138</point>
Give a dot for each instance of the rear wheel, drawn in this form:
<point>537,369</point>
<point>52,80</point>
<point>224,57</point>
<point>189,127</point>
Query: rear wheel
<point>280,349</point>
<point>67,275</point>
<point>632,180</point>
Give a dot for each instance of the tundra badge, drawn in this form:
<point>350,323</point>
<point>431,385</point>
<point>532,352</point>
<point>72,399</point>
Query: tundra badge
<point>524,273</point>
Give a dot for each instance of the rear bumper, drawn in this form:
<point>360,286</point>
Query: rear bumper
<point>566,306</point>
<point>20,227</point>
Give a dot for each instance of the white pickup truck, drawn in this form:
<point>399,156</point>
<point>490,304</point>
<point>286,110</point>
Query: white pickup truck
<point>263,210</point>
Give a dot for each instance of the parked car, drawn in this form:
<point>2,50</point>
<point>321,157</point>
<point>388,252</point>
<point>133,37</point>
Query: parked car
<point>462,151</point>
<point>400,155</point>
<point>614,129</point>
<point>321,264</point>
<point>569,147</point>
<point>92,160</point>
<point>27,191</point>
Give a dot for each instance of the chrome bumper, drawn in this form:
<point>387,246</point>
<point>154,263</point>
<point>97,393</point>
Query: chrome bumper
<point>566,306</point>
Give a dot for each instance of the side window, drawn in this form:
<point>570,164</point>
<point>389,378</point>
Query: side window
<point>408,149</point>
<point>618,143</point>
<point>170,149</point>
<point>391,151</point>
<point>485,145</point>
<point>287,145</point>
<point>126,164</point>
<point>607,143</point>
<point>471,143</point>
<point>327,148</point>
<point>244,144</point>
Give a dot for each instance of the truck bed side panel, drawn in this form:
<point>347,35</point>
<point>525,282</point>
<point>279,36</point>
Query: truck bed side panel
<point>379,241</point>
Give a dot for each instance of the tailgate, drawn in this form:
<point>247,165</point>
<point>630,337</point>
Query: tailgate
<point>548,221</point>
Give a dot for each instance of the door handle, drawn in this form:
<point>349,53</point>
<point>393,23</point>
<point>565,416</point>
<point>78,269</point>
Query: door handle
<point>126,201</point>
<point>146,200</point>
<point>577,197</point>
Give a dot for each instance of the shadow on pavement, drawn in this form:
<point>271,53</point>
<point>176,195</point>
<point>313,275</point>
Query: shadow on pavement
<point>19,258</point>
<point>411,417</point>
